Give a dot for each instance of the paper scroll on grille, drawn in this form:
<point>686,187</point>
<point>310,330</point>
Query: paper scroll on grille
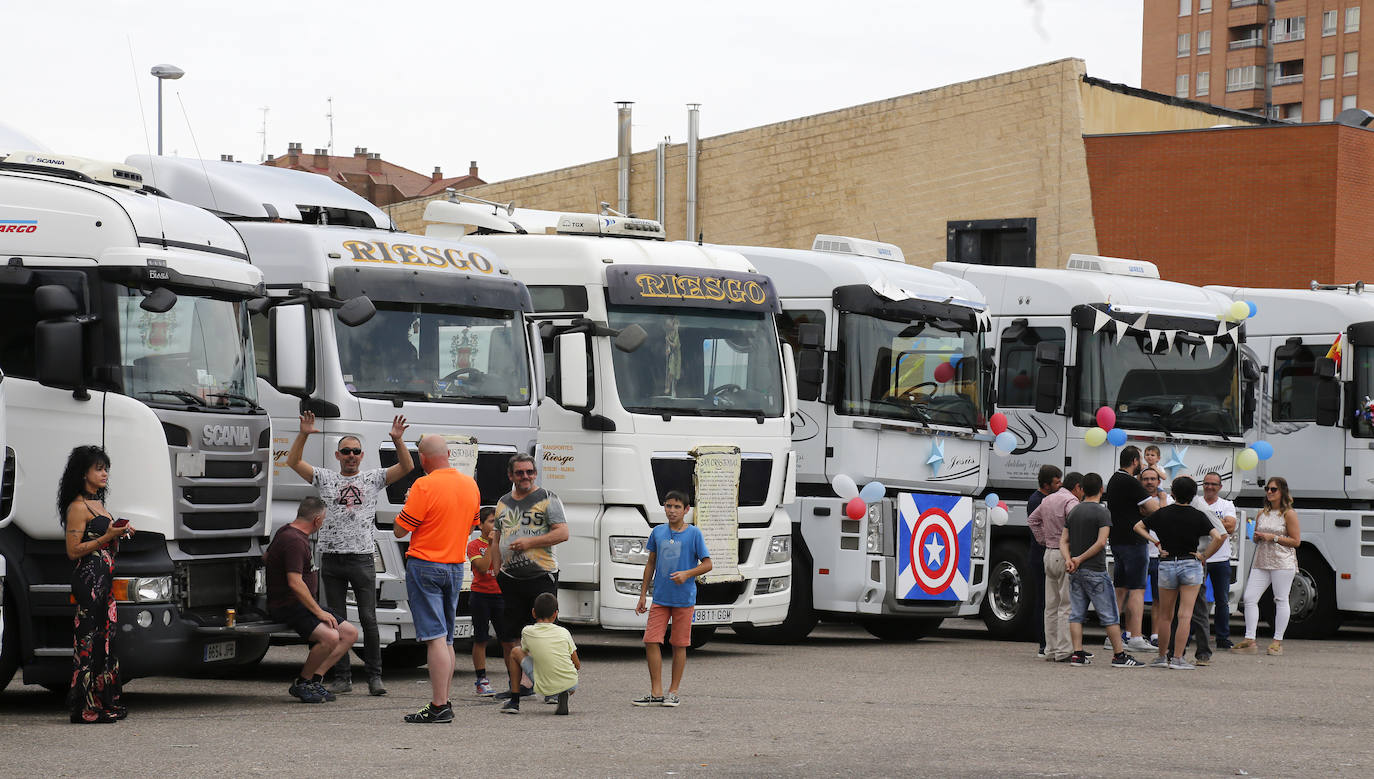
<point>716,514</point>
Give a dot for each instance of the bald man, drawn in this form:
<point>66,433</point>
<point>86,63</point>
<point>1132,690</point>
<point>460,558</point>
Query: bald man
<point>438,517</point>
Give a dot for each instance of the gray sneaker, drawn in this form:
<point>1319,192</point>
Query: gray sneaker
<point>341,684</point>
<point>1179,664</point>
<point>375,686</point>
<point>1160,661</point>
<point>1138,644</point>
<point>671,699</point>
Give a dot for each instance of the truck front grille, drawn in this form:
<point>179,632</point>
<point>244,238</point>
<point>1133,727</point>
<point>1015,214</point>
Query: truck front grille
<point>220,520</point>
<point>675,473</point>
<point>720,593</point>
<point>491,475</point>
<point>219,496</point>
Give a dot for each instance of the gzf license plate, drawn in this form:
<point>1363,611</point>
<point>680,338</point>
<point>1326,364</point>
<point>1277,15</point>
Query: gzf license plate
<point>462,629</point>
<point>711,617</point>
<point>220,650</point>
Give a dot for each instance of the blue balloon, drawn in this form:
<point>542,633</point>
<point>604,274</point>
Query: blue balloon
<point>955,359</point>
<point>872,492</point>
<point>1264,449</point>
<point>1253,310</point>
<point>1005,442</point>
<point>991,500</point>
<point>1116,437</point>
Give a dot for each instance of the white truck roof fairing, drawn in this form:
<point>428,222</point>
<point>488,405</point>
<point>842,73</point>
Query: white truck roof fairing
<point>1050,292</point>
<point>236,189</point>
<point>1302,311</point>
<point>62,217</point>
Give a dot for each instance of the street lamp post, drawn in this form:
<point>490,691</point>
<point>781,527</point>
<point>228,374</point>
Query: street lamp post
<point>163,73</point>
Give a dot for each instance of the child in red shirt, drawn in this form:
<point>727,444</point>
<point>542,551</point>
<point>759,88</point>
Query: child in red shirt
<point>485,602</point>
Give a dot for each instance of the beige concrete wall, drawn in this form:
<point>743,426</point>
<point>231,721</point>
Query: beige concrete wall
<point>1106,111</point>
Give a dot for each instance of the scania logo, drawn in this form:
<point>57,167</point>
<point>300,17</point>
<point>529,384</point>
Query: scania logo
<point>225,435</point>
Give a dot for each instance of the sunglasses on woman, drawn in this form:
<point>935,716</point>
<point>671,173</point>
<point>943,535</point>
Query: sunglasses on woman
<point>1271,489</point>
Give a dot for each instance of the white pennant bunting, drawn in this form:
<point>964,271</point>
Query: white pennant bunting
<point>1100,320</point>
<point>1121,328</point>
<point>1169,336</point>
<point>1154,338</point>
<point>1140,323</point>
<point>1207,341</point>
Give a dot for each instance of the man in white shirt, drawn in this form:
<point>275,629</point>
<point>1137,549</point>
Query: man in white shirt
<point>1212,504</point>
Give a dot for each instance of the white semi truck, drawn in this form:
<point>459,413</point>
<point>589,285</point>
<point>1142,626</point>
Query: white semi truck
<point>449,345</point>
<point>870,334</point>
<point>621,419</point>
<point>124,323</point>
<point>1105,332</point>
<point>1315,413</point>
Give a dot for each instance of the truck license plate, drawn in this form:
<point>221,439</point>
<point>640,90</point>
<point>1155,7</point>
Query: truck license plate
<point>711,616</point>
<point>220,650</point>
<point>462,629</point>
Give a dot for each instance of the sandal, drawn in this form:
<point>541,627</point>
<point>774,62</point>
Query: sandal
<point>1275,648</point>
<point>92,717</point>
<point>1246,647</point>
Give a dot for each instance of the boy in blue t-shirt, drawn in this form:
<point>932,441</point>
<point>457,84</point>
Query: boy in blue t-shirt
<point>677,556</point>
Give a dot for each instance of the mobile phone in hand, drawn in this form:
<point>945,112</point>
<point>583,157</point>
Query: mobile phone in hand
<point>121,522</point>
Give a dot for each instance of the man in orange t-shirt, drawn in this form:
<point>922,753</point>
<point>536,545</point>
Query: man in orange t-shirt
<point>438,516</point>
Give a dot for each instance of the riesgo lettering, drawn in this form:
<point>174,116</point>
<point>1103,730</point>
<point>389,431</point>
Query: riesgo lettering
<point>419,255</point>
<point>674,285</point>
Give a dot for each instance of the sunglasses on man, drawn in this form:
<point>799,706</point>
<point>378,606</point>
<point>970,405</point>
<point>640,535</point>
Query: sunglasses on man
<point>350,450</point>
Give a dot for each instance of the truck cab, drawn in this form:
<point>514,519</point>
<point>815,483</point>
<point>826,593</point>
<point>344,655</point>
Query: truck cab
<point>1105,331</point>
<point>1315,348</point>
<point>124,323</point>
<point>449,346</point>
<point>870,334</point>
<point>620,420</point>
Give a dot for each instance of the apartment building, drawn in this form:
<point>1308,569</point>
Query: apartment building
<point>1305,54</point>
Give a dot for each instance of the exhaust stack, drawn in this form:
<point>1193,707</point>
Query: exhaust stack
<point>661,178</point>
<point>693,116</point>
<point>623,155</point>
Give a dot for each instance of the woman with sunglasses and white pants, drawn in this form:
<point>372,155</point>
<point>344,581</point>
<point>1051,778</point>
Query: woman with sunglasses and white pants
<point>1277,536</point>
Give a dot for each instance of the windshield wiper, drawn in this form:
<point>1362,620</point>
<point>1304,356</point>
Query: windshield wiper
<point>182,395</point>
<point>397,397</point>
<point>501,401</point>
<point>916,411</point>
<point>1156,416</point>
<point>234,396</point>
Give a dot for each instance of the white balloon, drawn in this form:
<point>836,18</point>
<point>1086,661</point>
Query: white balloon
<point>1005,442</point>
<point>998,515</point>
<point>873,492</point>
<point>844,487</point>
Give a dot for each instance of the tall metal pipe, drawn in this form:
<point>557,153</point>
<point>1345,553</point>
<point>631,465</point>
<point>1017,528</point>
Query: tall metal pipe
<point>693,117</point>
<point>660,178</point>
<point>623,155</point>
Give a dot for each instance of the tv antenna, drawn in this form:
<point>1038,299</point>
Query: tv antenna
<point>330,117</point>
<point>263,132</point>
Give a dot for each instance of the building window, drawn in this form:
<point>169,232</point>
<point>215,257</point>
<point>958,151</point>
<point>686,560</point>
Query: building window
<point>1294,28</point>
<point>992,242</point>
<point>1183,44</point>
<point>1352,63</point>
<point>1016,366</point>
<point>1347,102</point>
<point>1247,37</point>
<point>1204,41</point>
<point>1242,78</point>
<point>1185,7</point>
<point>1204,6</point>
<point>1287,72</point>
<point>1352,19</point>
<point>1289,112</point>
<point>1327,109</point>
<point>1328,66</point>
<point>1204,83</point>
<point>1181,85</point>
<point>1328,23</point>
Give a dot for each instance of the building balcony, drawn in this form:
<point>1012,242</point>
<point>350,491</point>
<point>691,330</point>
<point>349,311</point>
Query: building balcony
<point>1295,78</point>
<point>1243,3</point>
<point>1246,86</point>
<point>1245,43</point>
<point>1285,37</point>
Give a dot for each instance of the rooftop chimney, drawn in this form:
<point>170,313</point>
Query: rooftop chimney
<point>359,151</point>
<point>293,154</point>
<point>321,159</point>
<point>437,175</point>
<point>374,162</point>
<point>472,168</point>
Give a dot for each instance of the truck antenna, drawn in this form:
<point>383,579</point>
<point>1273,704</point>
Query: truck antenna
<point>330,116</point>
<point>263,132</point>
<point>196,145</point>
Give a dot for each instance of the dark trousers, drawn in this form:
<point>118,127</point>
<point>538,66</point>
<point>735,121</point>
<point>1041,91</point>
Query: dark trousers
<point>1220,576</point>
<point>1033,584</point>
<point>339,572</point>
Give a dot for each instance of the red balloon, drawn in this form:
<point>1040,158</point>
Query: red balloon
<point>1002,504</point>
<point>998,423</point>
<point>944,372</point>
<point>856,508</point>
<point>1106,418</point>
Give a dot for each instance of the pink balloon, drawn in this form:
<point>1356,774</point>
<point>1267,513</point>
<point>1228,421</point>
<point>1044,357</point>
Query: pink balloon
<point>944,372</point>
<point>998,423</point>
<point>856,508</point>
<point>1106,418</point>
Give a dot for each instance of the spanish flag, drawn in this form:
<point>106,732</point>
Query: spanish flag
<point>1334,353</point>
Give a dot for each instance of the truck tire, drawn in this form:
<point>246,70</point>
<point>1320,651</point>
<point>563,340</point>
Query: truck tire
<point>902,629</point>
<point>9,638</point>
<point>702,635</point>
<point>1312,599</point>
<point>404,654</point>
<point>801,615</point>
<point>1007,608</point>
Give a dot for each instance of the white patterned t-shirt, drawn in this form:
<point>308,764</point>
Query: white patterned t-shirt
<point>350,510</point>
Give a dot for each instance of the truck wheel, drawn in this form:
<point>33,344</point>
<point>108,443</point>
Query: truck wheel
<point>902,628</point>
<point>404,654</point>
<point>9,638</point>
<point>702,635</point>
<point>1312,599</point>
<point>1008,605</point>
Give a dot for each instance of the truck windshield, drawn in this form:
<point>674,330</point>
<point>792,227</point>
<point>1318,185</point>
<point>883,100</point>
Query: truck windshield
<point>892,369</point>
<point>1182,390</point>
<point>699,361</point>
<point>426,351</point>
<point>197,353</point>
<point>1362,427</point>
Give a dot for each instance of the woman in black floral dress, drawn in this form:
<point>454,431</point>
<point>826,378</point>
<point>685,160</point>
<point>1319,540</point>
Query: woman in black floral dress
<point>92,541</point>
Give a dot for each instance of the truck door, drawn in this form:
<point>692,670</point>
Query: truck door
<point>1041,436</point>
<point>1288,411</point>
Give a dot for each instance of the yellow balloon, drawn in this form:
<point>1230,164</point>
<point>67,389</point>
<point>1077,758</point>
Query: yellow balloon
<point>1095,436</point>
<point>1247,460</point>
<point>1238,311</point>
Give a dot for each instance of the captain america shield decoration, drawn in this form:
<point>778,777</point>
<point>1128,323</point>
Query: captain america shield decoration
<point>935,535</point>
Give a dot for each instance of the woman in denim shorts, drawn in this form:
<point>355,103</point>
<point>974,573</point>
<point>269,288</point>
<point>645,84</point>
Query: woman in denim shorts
<point>1179,528</point>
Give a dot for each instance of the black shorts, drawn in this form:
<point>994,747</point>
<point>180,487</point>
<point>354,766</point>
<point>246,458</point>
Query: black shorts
<point>488,608</point>
<point>300,619</point>
<point>519,595</point>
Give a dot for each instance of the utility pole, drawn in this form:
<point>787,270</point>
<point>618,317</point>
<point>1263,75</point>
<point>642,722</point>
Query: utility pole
<point>330,117</point>
<point>1268,31</point>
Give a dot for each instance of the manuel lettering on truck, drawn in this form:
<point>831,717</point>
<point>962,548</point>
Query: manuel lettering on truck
<point>225,435</point>
<point>409,254</point>
<point>18,225</point>
<point>679,286</point>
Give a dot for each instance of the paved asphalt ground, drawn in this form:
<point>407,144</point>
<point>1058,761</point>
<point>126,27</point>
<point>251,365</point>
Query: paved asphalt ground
<point>843,704</point>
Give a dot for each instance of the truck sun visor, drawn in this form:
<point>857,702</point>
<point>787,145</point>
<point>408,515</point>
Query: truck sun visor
<point>430,287</point>
<point>650,285</point>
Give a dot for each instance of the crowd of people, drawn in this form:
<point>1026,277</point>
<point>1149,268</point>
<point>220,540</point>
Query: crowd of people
<point>1174,540</point>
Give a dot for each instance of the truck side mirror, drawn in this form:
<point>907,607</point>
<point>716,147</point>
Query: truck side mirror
<point>1049,379</point>
<point>810,361</point>
<point>571,352</point>
<point>60,358</point>
<point>290,348</point>
<point>356,311</point>
<point>630,339</point>
<point>159,301</point>
<point>987,364</point>
<point>1250,376</point>
<point>1328,392</point>
<point>1325,368</point>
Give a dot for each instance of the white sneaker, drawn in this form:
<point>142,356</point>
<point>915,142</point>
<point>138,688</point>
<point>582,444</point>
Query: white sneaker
<point>1179,664</point>
<point>1138,644</point>
<point>1108,643</point>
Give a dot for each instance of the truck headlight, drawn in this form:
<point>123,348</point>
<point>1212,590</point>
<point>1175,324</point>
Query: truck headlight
<point>775,584</point>
<point>875,529</point>
<point>980,530</point>
<point>779,549</point>
<point>629,586</point>
<point>377,561</point>
<point>143,589</point>
<point>629,549</point>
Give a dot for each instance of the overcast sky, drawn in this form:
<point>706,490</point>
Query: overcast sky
<point>520,87</point>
